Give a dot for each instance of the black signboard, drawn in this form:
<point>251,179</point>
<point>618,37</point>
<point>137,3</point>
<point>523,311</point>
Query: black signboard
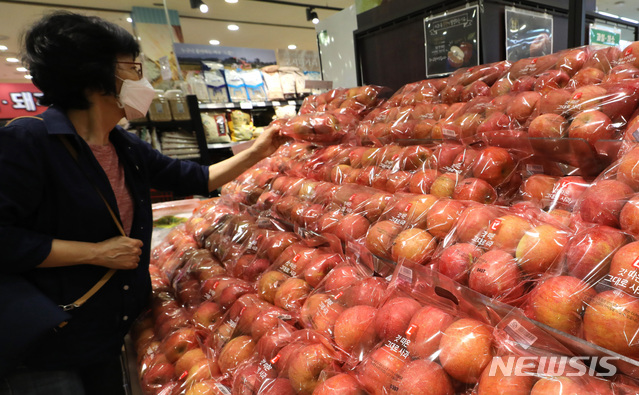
<point>528,34</point>
<point>451,41</point>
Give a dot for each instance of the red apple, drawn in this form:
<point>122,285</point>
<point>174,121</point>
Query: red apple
<point>340,278</point>
<point>551,79</point>
<point>559,303</point>
<point>629,216</point>
<point>524,84</point>
<point>455,261</point>
<point>502,384</point>
<point>376,373</point>
<point>555,101</point>
<point>413,244</point>
<point>493,165</point>
<point>444,185</point>
<point>466,349</point>
<point>341,383</point>
<point>628,170</point>
<point>393,317</point>
<point>585,98</point>
<point>354,331</point>
<point>602,202</point>
<point>306,367</point>
<point>549,126</point>
<point>522,106</point>
<point>352,227</point>
<point>557,385</point>
<point>475,189</point>
<point>442,216</point>
<point>508,231</point>
<point>572,60</point>
<point>630,55</point>
<point>422,180</point>
<point>494,122</point>
<point>567,191</point>
<point>587,76</point>
<point>590,252</point>
<point>292,294</point>
<point>610,321</point>
<point>236,351</point>
<point>269,283</point>
<point>380,236</point>
<point>473,221</point>
<point>538,189</point>
<point>591,126</point>
<point>178,343</point>
<point>207,314</point>
<point>495,274</point>
<point>540,247</point>
<point>368,291</point>
<point>320,311</point>
<point>422,377</point>
<point>624,263</point>
<point>425,330</point>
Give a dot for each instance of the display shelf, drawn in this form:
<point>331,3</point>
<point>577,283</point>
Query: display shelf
<point>164,124</point>
<point>249,105</point>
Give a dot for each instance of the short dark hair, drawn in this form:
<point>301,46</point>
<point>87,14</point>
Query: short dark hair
<point>68,53</point>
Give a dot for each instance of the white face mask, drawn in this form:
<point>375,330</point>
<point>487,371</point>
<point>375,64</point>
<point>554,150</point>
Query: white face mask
<point>135,97</point>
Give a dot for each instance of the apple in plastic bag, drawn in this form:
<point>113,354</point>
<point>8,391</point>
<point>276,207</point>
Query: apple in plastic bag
<point>422,377</point>
<point>466,349</point>
<point>590,252</point>
<point>602,203</point>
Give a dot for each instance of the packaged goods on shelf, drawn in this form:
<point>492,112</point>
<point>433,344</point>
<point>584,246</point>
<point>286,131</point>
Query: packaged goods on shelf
<point>254,84</point>
<point>215,128</point>
<point>241,126</point>
<point>272,82</point>
<point>215,82</point>
<point>235,85</point>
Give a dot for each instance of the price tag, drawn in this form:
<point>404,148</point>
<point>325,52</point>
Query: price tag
<point>230,105</point>
<point>292,102</point>
<point>246,106</point>
<point>521,334</point>
<point>260,104</point>
<point>276,103</point>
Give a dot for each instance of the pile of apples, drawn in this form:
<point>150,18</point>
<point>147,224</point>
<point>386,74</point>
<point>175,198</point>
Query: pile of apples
<point>293,282</point>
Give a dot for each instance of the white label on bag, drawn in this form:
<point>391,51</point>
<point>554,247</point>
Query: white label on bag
<point>521,334</point>
<point>405,274</point>
<point>222,389</point>
<point>276,103</point>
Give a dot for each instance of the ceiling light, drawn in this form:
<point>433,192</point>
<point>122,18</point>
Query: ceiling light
<point>28,77</point>
<point>22,69</point>
<point>214,42</point>
<point>13,60</point>
<point>231,1</point>
<point>233,27</point>
<point>3,47</point>
<point>623,18</point>
<point>311,15</point>
<point>129,19</point>
<point>200,4</point>
<point>607,14</point>
<point>292,46</point>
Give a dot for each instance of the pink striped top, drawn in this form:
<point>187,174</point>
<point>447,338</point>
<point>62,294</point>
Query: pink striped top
<point>108,159</point>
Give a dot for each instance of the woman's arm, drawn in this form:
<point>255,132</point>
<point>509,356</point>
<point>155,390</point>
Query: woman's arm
<point>116,253</point>
<point>222,172</point>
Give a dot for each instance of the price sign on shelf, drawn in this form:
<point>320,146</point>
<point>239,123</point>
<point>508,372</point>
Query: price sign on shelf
<point>230,105</point>
<point>246,105</point>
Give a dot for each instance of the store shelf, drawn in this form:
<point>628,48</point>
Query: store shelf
<point>249,105</point>
<point>164,124</point>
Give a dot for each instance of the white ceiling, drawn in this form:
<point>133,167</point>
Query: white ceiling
<point>255,19</point>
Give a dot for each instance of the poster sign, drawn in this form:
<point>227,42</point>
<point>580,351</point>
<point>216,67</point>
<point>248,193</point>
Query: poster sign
<point>604,35</point>
<point>304,60</point>
<point>451,41</point>
<point>528,34</point>
<point>19,100</point>
<point>228,56</point>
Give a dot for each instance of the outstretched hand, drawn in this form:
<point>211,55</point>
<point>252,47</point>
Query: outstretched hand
<point>269,141</point>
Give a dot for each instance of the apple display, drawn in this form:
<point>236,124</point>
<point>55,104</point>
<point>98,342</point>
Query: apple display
<point>591,126</point>
<point>380,237</point>
<point>540,248</point>
<point>425,330</point>
<point>602,202</point>
<point>493,165</point>
<point>475,189</point>
<point>496,275</point>
<point>413,244</point>
<point>590,252</point>
<point>548,125</point>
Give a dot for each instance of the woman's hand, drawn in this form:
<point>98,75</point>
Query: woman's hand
<point>268,142</point>
<point>118,253</point>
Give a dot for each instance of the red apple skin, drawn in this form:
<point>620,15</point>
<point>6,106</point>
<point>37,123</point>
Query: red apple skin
<point>588,97</point>
<point>493,165</point>
<point>157,375</point>
<point>538,189</point>
<point>466,349</point>
<point>567,191</point>
<point>413,244</point>
<point>276,386</point>
<point>442,216</point>
<point>509,230</point>
<point>590,252</point>
<point>320,313</point>
<point>455,261</point>
<point>444,185</point>
<point>321,265</point>
<point>630,55</point>
<point>341,383</point>
<point>629,216</point>
<point>500,384</point>
<point>207,315</point>
<point>292,294</point>
<point>269,283</point>
<point>236,351</point>
<point>306,366</point>
<point>352,227</point>
<point>603,59</point>
<point>558,385</point>
<point>425,330</point>
<point>376,373</point>
<point>422,377</point>
<point>494,122</point>
<point>625,261</point>
<point>621,73</point>
<point>475,189</point>
<point>555,102</point>
<point>572,60</point>
<point>551,79</point>
<point>178,343</point>
<point>501,87</point>
<point>473,221</point>
<point>591,126</point>
<point>265,321</point>
<point>610,321</point>
<point>188,360</point>
<point>354,330</point>
<point>559,302</point>
<point>393,318</point>
<point>548,126</point>
<point>368,291</point>
<point>524,84</point>
<point>340,278</point>
<point>628,170</point>
<point>540,248</point>
<point>380,237</point>
<point>422,180</point>
<point>587,76</point>
<point>602,202</point>
<point>495,274</point>
<point>522,106</point>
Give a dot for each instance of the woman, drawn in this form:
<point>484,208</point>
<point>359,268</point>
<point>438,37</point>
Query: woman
<point>56,231</point>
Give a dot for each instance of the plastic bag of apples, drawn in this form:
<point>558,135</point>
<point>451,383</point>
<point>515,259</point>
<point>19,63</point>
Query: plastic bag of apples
<point>358,99</point>
<point>501,252</point>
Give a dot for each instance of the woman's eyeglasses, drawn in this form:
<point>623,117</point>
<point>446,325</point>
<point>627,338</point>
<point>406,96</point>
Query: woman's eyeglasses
<point>134,66</point>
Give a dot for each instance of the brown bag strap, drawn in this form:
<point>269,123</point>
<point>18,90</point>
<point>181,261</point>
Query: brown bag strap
<point>81,300</point>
